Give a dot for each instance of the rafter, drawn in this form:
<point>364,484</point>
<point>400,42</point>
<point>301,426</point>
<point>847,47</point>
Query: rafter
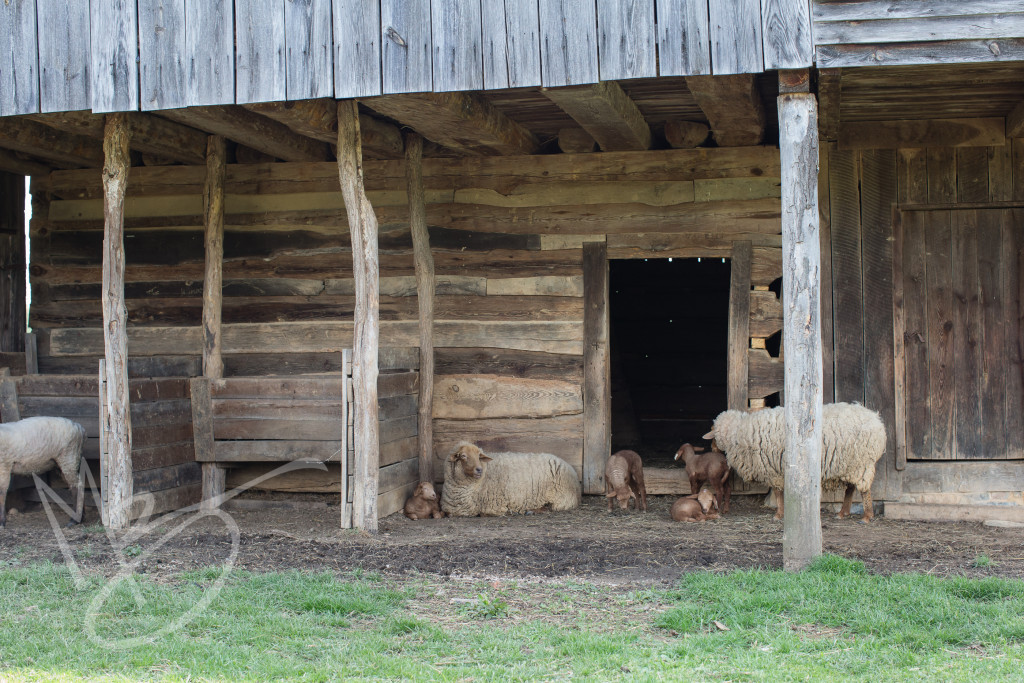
<point>65,150</point>
<point>732,106</point>
<point>465,123</point>
<point>10,162</point>
<point>606,112</point>
<point>318,119</point>
<point>259,132</point>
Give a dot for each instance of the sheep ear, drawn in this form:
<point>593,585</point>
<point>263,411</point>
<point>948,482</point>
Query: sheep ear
<point>710,435</point>
<point>692,495</point>
<point>457,455</point>
<point>485,458</point>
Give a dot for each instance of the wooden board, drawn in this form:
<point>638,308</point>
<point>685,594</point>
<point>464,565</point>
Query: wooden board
<point>113,67</point>
<point>847,275</point>
<point>309,57</point>
<point>64,56</point>
<point>684,44</point>
<point>260,51</point>
<point>19,80</point>
<point>406,47</point>
<point>626,39</point>
<point>736,36</point>
<point>357,42</point>
<point>739,326</point>
<point>472,397</point>
<point>568,48</point>
<point>511,43</point>
<point>456,34</point>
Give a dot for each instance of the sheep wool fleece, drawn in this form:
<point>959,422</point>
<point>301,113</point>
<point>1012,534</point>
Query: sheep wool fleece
<point>512,483</point>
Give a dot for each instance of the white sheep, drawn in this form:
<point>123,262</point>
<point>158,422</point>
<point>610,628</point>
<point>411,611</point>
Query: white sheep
<point>853,440</point>
<point>503,483</point>
<point>34,445</point>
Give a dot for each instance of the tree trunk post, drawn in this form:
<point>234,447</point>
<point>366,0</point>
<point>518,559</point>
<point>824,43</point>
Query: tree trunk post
<point>424,263</point>
<point>362,224</point>
<point>213,364</point>
<point>801,272</point>
<point>115,335</point>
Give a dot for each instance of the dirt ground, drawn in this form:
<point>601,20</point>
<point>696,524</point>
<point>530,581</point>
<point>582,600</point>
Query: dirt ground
<point>621,548</point>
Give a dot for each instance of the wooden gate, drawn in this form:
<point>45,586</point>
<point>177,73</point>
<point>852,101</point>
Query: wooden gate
<point>959,315</point>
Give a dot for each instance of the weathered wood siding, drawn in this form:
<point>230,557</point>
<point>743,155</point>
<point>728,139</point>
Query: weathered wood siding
<point>161,54</point>
<point>878,32</point>
<point>507,237</point>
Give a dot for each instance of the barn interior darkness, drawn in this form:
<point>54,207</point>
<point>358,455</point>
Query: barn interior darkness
<point>669,332</point>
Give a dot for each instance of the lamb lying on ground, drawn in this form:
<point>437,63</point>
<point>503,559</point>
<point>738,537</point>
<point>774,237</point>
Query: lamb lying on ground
<point>853,440</point>
<point>695,507</point>
<point>624,479</point>
<point>503,483</point>
<point>33,446</point>
<point>423,503</point>
<point>710,467</point>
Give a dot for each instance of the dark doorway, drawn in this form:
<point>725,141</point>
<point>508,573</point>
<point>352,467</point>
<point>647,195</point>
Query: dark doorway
<point>669,333</point>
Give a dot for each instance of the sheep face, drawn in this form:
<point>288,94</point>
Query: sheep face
<point>471,460</point>
<point>425,490</point>
<point>623,494</point>
<point>706,498</point>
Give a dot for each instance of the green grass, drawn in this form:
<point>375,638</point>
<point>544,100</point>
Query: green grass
<point>832,622</point>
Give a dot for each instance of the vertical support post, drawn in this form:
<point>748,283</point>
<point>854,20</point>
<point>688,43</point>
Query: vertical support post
<point>362,226</point>
<point>737,375</point>
<point>12,262</point>
<point>597,399</point>
<point>104,450</point>
<point>424,264</point>
<point>115,334</point>
<point>214,475</point>
<point>801,305</point>
<point>31,354</point>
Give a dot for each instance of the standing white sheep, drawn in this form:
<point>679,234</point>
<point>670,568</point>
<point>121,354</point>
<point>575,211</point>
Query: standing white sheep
<point>503,483</point>
<point>853,440</point>
<point>34,445</point>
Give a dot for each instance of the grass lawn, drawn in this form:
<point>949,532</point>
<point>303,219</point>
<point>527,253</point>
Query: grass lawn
<point>832,622</point>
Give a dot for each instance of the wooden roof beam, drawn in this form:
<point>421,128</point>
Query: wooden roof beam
<point>465,123</point>
<point>733,108</point>
<point>255,131</point>
<point>64,150</point>
<point>318,119</point>
<point>606,112</point>
<point>11,162</point>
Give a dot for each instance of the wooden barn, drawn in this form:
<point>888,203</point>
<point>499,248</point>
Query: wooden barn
<point>356,232</point>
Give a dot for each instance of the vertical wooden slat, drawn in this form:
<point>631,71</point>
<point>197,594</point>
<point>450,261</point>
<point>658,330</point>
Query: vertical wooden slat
<point>210,52</point>
<point>801,331</point>
<point>260,51</point>
<point>899,320</point>
<point>308,61</point>
<point>912,176</point>
<point>568,35</point>
<point>406,46</point>
<point>847,285</point>
<point>511,43</point>
<point>494,43</point>
<point>940,332</point>
<point>786,31</point>
<point>941,175</point>
<point>1012,227</point>
<point>161,52</point>
<point>8,397</point>
<point>827,311</point>
<point>915,335</point>
<point>424,265</point>
<point>19,77</point>
<point>357,38</point>
<point>214,475</point>
<point>346,406</point>
<point>878,195</point>
<point>64,55</point>
<point>456,33</point>
<point>967,335</point>
<point>31,354</point>
<point>972,174</point>
<point>737,378</point>
<point>1000,174</point>
<point>115,317</point>
<point>991,265</point>
<point>213,207</point>
<point>104,449</point>
<point>363,231</point>
<point>12,262</point>
<point>596,367</point>
<point>684,44</point>
<point>114,68</point>
<point>626,39</point>
<point>736,37</point>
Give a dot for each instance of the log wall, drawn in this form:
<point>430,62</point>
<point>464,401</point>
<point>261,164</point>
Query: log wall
<point>507,238</point>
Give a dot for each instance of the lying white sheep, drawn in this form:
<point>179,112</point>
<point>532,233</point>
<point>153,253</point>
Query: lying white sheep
<point>853,440</point>
<point>503,483</point>
<point>34,445</point>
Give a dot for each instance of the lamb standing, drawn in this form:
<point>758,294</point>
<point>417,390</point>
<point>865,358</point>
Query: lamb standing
<point>33,446</point>
<point>503,483</point>
<point>624,479</point>
<point>423,503</point>
<point>710,467</point>
<point>853,440</point>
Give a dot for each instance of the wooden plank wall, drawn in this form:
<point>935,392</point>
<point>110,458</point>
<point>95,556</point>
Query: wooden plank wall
<point>507,236</point>
<point>159,54</point>
<point>12,263</point>
<point>878,32</point>
<point>865,188</point>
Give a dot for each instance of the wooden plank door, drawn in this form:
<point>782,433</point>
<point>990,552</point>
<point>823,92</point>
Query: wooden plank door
<point>960,315</point>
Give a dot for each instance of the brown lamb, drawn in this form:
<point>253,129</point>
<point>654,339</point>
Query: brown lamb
<point>694,507</point>
<point>624,479</point>
<point>423,503</point>
<point>711,468</point>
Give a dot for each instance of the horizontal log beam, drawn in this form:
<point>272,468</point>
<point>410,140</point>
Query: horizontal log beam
<point>66,150</point>
<point>903,134</point>
<point>318,119</point>
<point>732,106</point>
<point>606,112</point>
<point>11,162</point>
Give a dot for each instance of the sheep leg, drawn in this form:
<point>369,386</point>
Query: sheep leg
<point>75,478</point>
<point>847,502</point>
<point>720,499</point>
<point>727,487</point>
<point>608,493</point>
<point>5,481</point>
<point>640,495</point>
<point>869,512</point>
<point>780,512</point>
